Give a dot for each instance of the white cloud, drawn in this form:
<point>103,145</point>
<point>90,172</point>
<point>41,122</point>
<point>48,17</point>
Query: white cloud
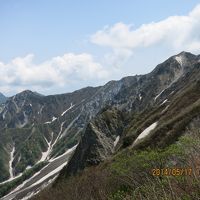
<point>177,32</point>
<point>133,50</point>
<point>22,73</point>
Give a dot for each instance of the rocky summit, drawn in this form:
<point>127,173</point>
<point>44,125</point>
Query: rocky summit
<point>60,139</point>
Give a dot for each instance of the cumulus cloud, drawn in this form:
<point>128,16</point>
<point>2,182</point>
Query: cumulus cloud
<point>177,32</point>
<point>173,34</point>
<point>22,73</point>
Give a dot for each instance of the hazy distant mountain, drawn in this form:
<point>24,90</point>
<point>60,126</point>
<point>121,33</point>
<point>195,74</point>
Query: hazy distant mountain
<point>2,98</point>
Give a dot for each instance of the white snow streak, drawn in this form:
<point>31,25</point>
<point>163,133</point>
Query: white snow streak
<point>46,153</point>
<point>164,101</point>
<point>11,179</point>
<point>10,163</point>
<point>165,109</point>
<point>69,126</point>
<point>49,122</point>
<point>116,140</point>
<point>58,169</point>
<point>27,180</point>
<point>41,188</point>
<point>59,134</point>
<point>71,106</point>
<point>159,94</point>
<point>55,171</point>
<point>4,114</point>
<point>67,152</point>
<point>146,131</point>
<point>41,109</point>
<point>46,176</point>
<point>180,59</point>
<point>28,167</point>
<point>53,119</point>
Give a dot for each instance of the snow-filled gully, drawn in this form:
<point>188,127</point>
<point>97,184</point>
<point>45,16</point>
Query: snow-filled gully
<point>71,106</point>
<point>47,174</point>
<point>116,140</point>
<point>46,153</point>
<point>10,163</point>
<point>42,178</point>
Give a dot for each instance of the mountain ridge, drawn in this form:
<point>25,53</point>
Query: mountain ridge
<point>160,129</point>
<point>101,120</point>
<point>74,161</point>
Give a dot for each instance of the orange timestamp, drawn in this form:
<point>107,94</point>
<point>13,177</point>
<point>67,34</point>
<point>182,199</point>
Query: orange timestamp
<point>172,171</point>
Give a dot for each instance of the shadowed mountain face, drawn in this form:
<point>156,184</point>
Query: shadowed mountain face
<point>36,128</point>
<point>99,141</point>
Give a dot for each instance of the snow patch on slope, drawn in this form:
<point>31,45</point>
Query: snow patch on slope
<point>58,136</point>
<point>40,111</point>
<point>51,173</point>
<point>42,187</point>
<point>55,171</point>
<point>165,109</point>
<point>180,59</point>
<point>10,163</point>
<point>28,167</point>
<point>164,101</point>
<point>67,152</point>
<point>159,94</point>
<point>116,140</point>
<point>11,179</point>
<point>71,106</point>
<point>53,119</point>
<point>146,131</point>
<point>69,126</point>
<point>46,153</point>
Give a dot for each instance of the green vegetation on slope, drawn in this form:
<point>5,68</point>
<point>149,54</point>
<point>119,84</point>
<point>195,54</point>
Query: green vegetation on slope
<point>29,144</point>
<point>128,175</point>
<point>4,174</point>
<point>8,187</point>
<point>181,110</point>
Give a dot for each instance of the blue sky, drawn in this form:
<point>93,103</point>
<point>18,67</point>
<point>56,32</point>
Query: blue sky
<point>59,46</point>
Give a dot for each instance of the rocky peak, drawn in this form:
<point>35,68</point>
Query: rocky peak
<point>186,54</point>
<point>27,93</point>
<point>173,68</point>
<point>185,59</point>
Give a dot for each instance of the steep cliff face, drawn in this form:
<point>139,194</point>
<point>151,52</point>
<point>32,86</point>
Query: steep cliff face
<point>99,140</point>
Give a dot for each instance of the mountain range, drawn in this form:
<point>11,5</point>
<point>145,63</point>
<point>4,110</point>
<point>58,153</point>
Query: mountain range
<point>59,139</point>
